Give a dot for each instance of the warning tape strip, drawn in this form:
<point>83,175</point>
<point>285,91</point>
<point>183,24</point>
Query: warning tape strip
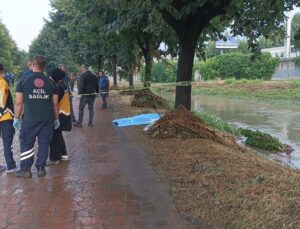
<point>135,88</point>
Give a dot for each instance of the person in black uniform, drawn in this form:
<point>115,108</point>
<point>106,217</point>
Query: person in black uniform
<point>57,144</point>
<point>66,79</point>
<point>88,87</point>
<point>38,94</point>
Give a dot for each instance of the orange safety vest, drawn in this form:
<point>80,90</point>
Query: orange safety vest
<point>64,104</point>
<point>6,103</point>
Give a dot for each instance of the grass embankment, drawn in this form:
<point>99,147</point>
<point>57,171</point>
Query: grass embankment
<point>283,93</point>
<point>286,93</point>
<point>218,186</point>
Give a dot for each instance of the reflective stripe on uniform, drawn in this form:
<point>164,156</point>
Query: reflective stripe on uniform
<point>27,154</point>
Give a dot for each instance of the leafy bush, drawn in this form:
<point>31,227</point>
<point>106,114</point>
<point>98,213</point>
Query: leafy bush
<point>208,69</point>
<point>162,72</point>
<point>297,61</point>
<point>238,66</point>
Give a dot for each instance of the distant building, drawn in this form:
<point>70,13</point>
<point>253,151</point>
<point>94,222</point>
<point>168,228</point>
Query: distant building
<point>280,52</point>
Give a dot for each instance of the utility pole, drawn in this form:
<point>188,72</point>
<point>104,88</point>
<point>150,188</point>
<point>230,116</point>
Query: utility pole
<point>287,41</point>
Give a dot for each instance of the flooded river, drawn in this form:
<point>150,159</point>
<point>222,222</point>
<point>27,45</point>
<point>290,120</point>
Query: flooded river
<point>279,122</point>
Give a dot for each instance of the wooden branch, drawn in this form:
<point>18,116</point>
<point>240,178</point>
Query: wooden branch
<point>167,16</point>
<point>141,45</point>
<point>208,11</point>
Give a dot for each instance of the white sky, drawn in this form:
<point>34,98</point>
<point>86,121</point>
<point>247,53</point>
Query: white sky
<point>24,19</point>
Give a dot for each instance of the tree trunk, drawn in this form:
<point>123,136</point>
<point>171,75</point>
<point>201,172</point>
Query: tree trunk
<point>130,75</point>
<point>187,48</point>
<point>148,70</point>
<point>114,63</point>
<point>99,62</point>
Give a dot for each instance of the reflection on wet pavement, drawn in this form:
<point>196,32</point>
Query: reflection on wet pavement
<point>106,184</point>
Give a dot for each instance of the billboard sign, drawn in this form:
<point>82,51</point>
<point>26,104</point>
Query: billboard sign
<point>232,43</point>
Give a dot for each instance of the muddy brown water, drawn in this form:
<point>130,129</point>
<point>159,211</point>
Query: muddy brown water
<point>279,122</point>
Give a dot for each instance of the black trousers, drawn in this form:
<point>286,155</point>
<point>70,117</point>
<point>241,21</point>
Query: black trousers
<point>57,146</point>
<point>86,100</point>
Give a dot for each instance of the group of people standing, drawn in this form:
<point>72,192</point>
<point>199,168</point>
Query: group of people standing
<point>43,110</point>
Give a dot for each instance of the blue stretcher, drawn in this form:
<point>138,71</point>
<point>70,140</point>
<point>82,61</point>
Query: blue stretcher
<point>142,119</point>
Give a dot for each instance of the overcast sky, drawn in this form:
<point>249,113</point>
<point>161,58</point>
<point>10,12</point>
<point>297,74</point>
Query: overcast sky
<point>24,19</point>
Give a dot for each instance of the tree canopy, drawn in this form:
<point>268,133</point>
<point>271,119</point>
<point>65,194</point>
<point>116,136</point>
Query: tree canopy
<point>10,56</point>
<point>121,32</point>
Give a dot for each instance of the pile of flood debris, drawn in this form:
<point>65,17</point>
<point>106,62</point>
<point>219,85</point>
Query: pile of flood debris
<point>181,123</point>
<point>146,98</point>
<point>114,87</point>
<point>133,90</point>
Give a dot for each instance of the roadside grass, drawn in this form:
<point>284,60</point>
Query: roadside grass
<point>285,94</point>
<point>264,90</point>
<point>217,124</point>
<point>234,81</point>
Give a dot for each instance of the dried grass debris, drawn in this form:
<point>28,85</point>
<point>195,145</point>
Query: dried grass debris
<point>146,98</point>
<point>181,123</point>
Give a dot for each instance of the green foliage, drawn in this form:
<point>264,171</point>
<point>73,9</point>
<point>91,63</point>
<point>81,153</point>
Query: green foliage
<point>208,69</point>
<point>238,66</point>
<point>163,71</point>
<point>94,31</point>
<point>262,140</point>
<point>218,124</point>
<point>297,60</point>
<point>272,41</point>
<point>243,47</point>
<point>295,27</point>
<point>242,81</point>
<point>210,50</point>
<point>49,44</point>
<point>10,56</point>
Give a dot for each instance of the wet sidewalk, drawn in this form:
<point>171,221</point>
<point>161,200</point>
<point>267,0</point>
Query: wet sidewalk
<point>107,184</point>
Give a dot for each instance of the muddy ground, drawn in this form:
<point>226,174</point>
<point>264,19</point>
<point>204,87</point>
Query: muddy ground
<point>218,186</point>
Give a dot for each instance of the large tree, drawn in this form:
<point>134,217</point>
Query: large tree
<point>139,23</point>
<point>10,56</point>
<point>191,18</point>
<point>295,26</point>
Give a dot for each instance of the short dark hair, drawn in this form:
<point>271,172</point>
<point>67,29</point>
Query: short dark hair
<point>56,74</point>
<point>84,66</point>
<point>40,61</point>
<point>102,72</point>
<point>1,67</point>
